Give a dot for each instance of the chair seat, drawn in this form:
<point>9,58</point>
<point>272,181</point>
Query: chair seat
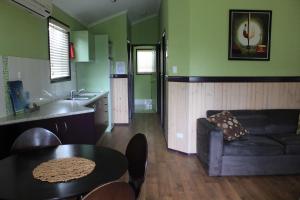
<point>290,141</point>
<point>252,145</point>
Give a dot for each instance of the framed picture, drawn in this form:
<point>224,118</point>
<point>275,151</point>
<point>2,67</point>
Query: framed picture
<point>249,34</point>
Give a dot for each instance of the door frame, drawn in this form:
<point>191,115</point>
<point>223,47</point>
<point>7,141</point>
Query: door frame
<point>130,82</point>
<point>163,57</point>
<point>131,75</point>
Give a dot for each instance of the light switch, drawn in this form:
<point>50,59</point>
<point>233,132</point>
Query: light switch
<point>174,69</point>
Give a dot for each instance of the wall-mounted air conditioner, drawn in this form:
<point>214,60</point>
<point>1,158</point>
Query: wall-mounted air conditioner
<point>42,8</point>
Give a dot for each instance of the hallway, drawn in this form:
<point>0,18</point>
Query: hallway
<point>176,176</point>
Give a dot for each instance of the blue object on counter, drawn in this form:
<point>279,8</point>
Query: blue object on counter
<point>17,95</point>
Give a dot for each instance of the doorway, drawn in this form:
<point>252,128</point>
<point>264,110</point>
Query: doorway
<point>145,78</point>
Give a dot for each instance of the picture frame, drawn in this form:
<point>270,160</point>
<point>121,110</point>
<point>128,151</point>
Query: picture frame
<point>249,35</point>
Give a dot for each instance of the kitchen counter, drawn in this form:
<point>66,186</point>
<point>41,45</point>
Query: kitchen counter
<point>58,108</point>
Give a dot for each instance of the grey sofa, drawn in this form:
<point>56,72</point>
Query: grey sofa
<point>271,148</point>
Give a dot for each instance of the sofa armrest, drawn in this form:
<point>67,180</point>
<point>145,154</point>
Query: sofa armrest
<point>210,146</point>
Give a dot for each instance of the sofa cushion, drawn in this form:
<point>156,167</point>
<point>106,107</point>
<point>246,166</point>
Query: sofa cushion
<point>252,120</point>
<point>282,121</point>
<point>290,141</point>
<point>229,125</point>
<point>266,122</point>
<point>252,145</point>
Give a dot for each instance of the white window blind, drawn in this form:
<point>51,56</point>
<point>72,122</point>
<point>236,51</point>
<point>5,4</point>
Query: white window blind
<point>146,61</point>
<point>59,51</point>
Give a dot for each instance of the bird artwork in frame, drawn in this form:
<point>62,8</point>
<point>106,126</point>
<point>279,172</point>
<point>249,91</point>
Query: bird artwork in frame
<point>249,34</point>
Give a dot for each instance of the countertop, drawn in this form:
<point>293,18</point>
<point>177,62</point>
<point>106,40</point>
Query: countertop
<point>58,108</point>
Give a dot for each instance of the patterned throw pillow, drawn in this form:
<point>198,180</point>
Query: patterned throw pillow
<point>298,130</point>
<point>230,126</point>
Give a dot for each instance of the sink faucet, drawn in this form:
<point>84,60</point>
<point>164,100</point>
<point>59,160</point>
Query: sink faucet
<point>81,90</point>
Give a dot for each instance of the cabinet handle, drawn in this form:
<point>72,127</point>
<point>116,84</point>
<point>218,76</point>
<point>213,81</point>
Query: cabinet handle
<point>56,127</point>
<point>66,126</point>
<point>94,106</point>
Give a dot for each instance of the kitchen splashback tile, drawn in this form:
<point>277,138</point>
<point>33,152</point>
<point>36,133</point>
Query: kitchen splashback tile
<point>35,75</point>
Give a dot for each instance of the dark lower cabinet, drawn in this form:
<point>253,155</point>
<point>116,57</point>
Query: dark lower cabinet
<point>74,129</point>
<point>101,113</point>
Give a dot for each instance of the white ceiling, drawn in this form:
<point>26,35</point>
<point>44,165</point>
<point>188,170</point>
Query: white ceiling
<point>90,11</point>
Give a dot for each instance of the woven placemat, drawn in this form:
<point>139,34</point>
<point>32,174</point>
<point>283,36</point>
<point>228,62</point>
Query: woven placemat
<point>63,170</point>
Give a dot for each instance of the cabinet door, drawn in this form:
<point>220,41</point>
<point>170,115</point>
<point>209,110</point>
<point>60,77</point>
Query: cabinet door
<point>8,136</point>
<point>78,129</point>
<point>84,44</point>
<point>101,115</point>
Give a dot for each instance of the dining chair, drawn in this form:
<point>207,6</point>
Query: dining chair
<point>137,153</point>
<point>35,138</point>
<point>111,191</point>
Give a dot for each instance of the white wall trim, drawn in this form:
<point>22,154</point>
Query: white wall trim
<point>107,18</point>
<point>143,19</point>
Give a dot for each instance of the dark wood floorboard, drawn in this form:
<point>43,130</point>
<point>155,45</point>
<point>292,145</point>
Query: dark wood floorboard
<point>173,175</point>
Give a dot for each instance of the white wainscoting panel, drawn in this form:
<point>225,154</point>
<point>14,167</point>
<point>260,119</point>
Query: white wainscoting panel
<point>119,90</point>
<point>189,101</point>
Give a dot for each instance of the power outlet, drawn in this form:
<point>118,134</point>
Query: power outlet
<point>180,135</point>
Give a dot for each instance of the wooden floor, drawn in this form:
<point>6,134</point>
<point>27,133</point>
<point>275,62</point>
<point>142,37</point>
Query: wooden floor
<point>172,175</point>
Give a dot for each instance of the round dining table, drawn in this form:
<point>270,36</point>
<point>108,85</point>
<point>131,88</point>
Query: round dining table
<point>17,181</point>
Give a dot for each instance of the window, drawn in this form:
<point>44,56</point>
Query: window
<point>146,61</point>
<point>59,39</point>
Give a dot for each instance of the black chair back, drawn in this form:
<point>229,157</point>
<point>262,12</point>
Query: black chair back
<point>112,191</point>
<point>35,138</point>
<point>137,153</point>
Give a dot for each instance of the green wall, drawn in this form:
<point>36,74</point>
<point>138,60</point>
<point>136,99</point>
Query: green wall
<point>94,76</point>
<point>146,31</point>
<point>198,38</point>
<point>116,29</point>
<point>25,35</point>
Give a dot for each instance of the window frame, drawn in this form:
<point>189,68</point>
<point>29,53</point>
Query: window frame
<point>62,79</point>
<point>136,60</point>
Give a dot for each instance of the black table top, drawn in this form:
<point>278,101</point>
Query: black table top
<point>17,182</point>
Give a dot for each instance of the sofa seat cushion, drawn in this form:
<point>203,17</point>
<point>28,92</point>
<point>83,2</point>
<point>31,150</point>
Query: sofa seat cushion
<point>290,141</point>
<point>252,145</point>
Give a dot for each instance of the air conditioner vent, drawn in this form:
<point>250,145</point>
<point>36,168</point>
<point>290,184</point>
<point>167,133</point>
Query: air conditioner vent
<point>42,8</point>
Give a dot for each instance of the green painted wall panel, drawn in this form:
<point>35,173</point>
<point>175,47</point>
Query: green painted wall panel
<point>94,76</point>
<point>209,39</point>
<point>146,32</point>
<point>116,29</point>
<point>178,36</point>
<point>62,16</point>
<point>22,34</point>
<point>25,35</point>
<point>197,34</point>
